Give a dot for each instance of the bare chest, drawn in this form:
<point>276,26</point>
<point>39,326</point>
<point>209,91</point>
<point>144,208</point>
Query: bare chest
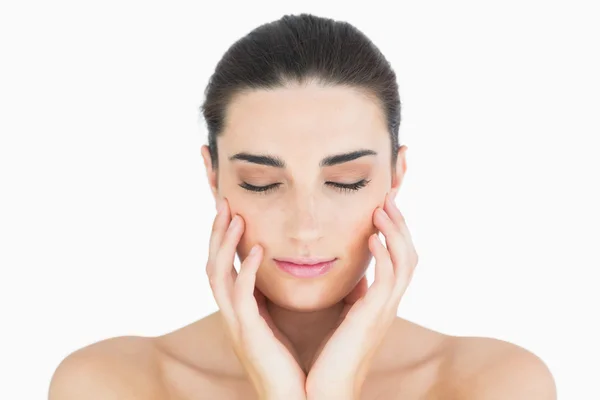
<point>193,385</point>
<point>407,369</point>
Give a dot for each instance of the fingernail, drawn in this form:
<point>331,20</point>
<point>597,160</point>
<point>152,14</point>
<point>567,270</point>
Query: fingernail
<point>254,250</point>
<point>234,222</point>
<point>381,213</point>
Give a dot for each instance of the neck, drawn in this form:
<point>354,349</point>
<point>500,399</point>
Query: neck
<point>305,330</point>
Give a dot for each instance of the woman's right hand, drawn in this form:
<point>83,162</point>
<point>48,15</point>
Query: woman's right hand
<point>258,344</point>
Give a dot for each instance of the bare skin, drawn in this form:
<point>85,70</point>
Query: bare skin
<point>196,362</point>
<point>310,216</point>
<point>419,358</point>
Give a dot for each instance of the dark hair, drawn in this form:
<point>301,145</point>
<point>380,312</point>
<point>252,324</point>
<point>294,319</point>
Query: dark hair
<point>297,48</point>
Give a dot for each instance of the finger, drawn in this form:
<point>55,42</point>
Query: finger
<point>222,279</point>
<point>409,254</point>
<point>383,283</point>
<point>393,239</point>
<point>219,227</point>
<point>266,316</point>
<point>225,256</point>
<point>396,216</point>
<point>244,302</point>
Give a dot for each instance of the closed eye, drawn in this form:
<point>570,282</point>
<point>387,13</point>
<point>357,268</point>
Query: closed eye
<point>342,187</point>
<point>349,187</point>
<point>260,189</point>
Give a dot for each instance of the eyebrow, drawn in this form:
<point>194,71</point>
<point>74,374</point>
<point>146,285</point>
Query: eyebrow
<point>277,162</point>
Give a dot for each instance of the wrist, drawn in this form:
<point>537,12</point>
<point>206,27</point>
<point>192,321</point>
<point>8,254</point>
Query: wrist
<point>282,395</point>
<point>340,392</point>
<point>333,395</point>
<point>286,396</point>
<point>268,392</point>
<point>349,391</point>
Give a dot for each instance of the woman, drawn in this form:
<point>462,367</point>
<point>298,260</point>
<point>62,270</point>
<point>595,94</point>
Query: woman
<point>304,163</point>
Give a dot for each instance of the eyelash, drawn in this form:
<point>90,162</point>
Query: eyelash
<point>344,188</point>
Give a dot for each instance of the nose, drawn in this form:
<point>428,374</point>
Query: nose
<point>303,223</point>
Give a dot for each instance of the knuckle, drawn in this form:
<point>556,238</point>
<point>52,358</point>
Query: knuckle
<point>413,259</point>
<point>209,267</point>
<point>213,282</point>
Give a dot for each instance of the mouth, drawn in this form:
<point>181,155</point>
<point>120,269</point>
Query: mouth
<point>305,267</point>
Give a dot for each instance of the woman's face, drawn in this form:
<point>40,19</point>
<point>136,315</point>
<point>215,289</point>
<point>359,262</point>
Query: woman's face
<point>305,213</point>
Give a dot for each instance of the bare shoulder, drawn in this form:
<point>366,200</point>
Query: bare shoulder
<point>115,368</point>
<point>485,368</point>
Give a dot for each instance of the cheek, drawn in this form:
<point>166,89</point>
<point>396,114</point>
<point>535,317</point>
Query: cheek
<point>353,227</point>
<point>256,230</point>
<point>347,226</point>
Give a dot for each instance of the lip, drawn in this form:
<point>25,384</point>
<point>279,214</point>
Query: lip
<point>305,260</point>
<point>305,267</point>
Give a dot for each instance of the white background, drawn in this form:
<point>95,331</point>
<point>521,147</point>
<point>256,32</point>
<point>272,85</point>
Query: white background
<point>105,209</point>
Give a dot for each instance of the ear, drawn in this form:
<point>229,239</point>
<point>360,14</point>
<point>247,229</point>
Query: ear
<point>398,173</point>
<point>211,173</point>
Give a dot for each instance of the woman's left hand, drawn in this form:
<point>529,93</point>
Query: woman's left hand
<point>346,353</point>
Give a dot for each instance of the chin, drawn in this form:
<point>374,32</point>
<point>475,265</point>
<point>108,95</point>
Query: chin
<point>302,303</point>
<point>306,295</point>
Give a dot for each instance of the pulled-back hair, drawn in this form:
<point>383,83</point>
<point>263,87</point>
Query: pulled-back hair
<point>301,48</point>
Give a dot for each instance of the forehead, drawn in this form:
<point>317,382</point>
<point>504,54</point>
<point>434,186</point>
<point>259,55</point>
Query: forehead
<point>304,121</point>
